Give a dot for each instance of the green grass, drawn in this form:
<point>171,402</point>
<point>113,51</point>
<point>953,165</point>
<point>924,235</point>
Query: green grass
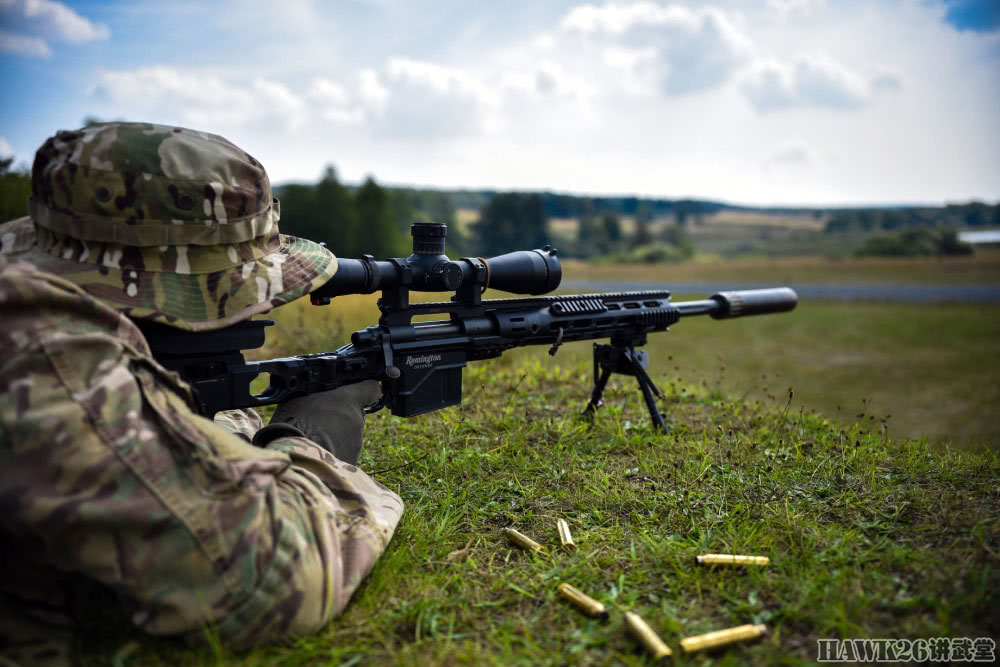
<point>868,536</point>
<point>928,371</point>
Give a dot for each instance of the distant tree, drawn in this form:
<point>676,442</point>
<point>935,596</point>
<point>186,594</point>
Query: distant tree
<point>677,236</point>
<point>920,241</point>
<point>382,237</point>
<point>15,188</point>
<point>336,213</point>
<point>949,244</point>
<point>612,229</point>
<point>324,212</point>
<point>401,204</point>
<point>590,237</point>
<point>681,211</point>
<point>642,234</point>
<point>298,212</point>
<point>511,221</point>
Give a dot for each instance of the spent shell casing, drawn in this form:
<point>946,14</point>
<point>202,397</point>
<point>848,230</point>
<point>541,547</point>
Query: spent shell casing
<point>583,602</point>
<point>722,637</point>
<point>645,634</point>
<point>565,537</point>
<point>522,540</point>
<point>730,559</point>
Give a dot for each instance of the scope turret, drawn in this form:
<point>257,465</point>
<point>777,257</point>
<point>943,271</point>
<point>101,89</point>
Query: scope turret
<point>429,269</point>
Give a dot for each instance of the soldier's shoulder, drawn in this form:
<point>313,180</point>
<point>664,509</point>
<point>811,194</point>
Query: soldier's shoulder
<point>35,304</point>
<point>17,236</point>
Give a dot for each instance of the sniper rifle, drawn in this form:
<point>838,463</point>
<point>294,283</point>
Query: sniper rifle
<point>420,363</point>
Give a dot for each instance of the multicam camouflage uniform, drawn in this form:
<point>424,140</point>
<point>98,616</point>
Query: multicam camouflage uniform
<point>106,470</point>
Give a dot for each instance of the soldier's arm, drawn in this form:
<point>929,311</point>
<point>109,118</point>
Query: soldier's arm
<point>244,423</point>
<point>108,472</point>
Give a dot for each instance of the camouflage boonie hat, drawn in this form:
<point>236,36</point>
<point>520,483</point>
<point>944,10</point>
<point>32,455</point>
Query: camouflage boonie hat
<point>168,224</point>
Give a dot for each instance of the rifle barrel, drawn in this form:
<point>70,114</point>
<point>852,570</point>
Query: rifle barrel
<point>702,307</point>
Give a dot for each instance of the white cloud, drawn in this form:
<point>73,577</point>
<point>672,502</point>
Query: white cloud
<point>371,91</point>
<point>29,23</point>
<point>328,92</point>
<point>334,103</point>
<point>440,80</point>
<point>24,46</point>
<point>887,82</point>
<point>428,101</point>
<point>545,42</point>
<point>692,49</point>
<point>202,99</point>
<point>61,22</point>
<point>548,78</point>
<point>793,154</point>
<point>809,81</point>
<point>5,148</point>
<point>791,6</point>
<point>35,21</point>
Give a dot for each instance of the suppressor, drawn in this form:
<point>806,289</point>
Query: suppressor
<point>523,541</point>
<point>722,637</point>
<point>565,537</point>
<point>730,559</point>
<point>645,634</point>
<point>583,602</point>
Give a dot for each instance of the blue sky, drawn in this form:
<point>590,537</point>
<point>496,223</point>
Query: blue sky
<point>765,102</point>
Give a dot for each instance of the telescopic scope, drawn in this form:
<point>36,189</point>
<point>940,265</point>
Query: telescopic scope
<point>429,269</point>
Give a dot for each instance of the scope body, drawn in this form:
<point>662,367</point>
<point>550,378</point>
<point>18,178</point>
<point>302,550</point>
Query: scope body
<point>429,269</point>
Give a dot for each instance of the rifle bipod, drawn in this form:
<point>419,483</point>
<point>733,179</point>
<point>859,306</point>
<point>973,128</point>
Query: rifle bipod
<point>624,360</point>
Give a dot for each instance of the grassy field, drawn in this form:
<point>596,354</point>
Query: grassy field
<point>928,370</point>
<point>868,536</point>
<point>983,268</point>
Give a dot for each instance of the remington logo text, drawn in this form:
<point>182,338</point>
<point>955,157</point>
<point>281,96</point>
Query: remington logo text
<point>422,361</point>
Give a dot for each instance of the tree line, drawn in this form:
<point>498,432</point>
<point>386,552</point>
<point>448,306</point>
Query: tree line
<point>972,214</point>
<point>374,219</point>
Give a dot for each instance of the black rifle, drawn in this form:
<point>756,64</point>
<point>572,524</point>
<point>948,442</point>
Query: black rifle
<point>420,364</point>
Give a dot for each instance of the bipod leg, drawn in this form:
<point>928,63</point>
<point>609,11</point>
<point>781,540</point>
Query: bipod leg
<point>650,391</point>
<point>601,376</point>
<point>595,395</point>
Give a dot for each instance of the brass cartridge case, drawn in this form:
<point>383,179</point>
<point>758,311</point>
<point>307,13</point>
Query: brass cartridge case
<point>729,559</point>
<point>722,637</point>
<point>645,634</point>
<point>523,541</point>
<point>583,602</point>
<point>565,537</point>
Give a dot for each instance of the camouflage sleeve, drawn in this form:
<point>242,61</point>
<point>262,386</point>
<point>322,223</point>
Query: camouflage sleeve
<point>244,423</point>
<point>108,472</point>
<point>16,236</point>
